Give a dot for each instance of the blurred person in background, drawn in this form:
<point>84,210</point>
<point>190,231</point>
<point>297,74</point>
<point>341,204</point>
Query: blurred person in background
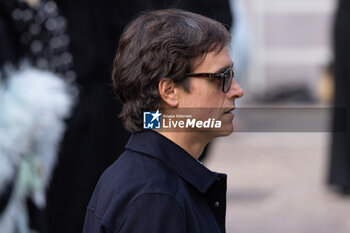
<point>35,98</point>
<point>339,174</point>
<point>95,136</point>
<point>241,39</point>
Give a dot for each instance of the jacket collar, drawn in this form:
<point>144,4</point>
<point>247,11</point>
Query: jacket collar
<point>156,145</point>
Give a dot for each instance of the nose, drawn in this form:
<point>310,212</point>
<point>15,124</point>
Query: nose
<point>235,91</point>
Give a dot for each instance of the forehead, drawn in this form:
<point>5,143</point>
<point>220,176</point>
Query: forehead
<point>213,61</point>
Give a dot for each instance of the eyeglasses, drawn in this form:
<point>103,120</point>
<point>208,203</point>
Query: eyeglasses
<point>226,77</point>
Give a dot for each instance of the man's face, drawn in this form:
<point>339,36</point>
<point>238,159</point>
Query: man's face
<point>206,93</point>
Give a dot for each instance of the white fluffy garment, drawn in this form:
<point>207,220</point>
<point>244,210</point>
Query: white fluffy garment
<point>33,106</point>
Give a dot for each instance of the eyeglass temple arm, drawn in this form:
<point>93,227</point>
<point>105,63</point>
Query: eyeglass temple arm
<point>209,75</point>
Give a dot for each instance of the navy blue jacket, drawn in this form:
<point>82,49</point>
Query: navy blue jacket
<point>157,187</point>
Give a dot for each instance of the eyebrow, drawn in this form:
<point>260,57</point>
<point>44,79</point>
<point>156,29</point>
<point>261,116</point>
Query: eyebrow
<point>224,68</point>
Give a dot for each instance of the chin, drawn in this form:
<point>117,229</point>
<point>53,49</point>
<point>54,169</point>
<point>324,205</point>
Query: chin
<point>227,124</point>
<point>226,130</point>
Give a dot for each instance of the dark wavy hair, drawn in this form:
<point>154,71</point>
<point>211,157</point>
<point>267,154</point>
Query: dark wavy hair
<point>155,45</point>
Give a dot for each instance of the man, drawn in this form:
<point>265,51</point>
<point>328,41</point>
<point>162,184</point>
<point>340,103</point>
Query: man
<point>170,61</point>
<point>95,135</point>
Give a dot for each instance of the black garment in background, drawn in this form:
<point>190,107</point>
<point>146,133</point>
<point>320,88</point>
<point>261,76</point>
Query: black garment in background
<point>95,135</point>
<point>26,35</point>
<point>219,10</point>
<point>21,27</point>
<point>339,175</point>
<point>7,48</point>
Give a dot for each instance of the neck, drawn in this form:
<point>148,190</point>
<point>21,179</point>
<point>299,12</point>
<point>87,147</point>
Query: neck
<point>187,141</point>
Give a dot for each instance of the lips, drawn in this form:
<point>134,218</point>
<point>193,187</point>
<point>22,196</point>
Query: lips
<point>228,110</point>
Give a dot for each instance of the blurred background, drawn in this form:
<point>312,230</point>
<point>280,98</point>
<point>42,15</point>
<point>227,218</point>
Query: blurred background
<point>281,177</point>
<point>290,48</point>
<point>288,161</point>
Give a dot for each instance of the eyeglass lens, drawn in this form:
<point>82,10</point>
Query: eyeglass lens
<point>227,80</point>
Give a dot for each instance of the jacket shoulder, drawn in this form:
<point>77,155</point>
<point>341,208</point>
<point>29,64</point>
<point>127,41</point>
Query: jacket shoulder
<point>132,177</point>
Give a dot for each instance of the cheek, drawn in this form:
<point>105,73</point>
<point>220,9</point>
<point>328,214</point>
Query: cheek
<point>213,99</point>
<point>206,100</point>
<point>204,95</point>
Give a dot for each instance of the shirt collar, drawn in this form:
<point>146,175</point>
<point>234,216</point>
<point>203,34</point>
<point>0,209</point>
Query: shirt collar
<point>154,144</point>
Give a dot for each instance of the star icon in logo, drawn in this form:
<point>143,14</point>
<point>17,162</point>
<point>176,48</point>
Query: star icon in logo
<point>155,115</point>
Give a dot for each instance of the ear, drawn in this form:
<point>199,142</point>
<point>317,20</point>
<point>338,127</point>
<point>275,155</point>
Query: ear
<point>167,90</point>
